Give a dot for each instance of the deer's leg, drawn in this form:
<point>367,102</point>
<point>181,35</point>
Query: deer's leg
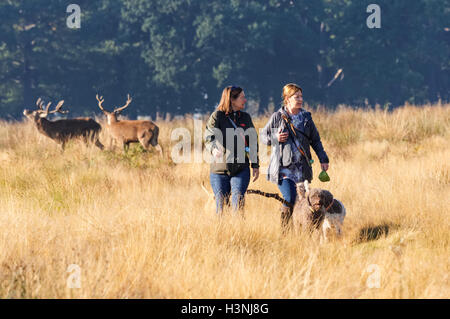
<point>159,149</point>
<point>112,144</point>
<point>126,146</point>
<point>144,139</point>
<point>87,139</point>
<point>150,138</point>
<point>118,142</point>
<point>99,144</point>
<point>93,138</point>
<point>144,143</point>
<point>154,141</point>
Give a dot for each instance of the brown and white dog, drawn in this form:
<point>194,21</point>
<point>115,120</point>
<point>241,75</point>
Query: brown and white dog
<point>316,209</point>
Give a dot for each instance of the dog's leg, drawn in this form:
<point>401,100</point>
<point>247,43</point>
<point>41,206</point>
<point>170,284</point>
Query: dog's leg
<point>326,227</point>
<point>337,225</point>
<point>339,231</point>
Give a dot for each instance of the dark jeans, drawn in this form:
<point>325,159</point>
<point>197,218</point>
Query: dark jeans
<point>223,186</point>
<point>288,189</point>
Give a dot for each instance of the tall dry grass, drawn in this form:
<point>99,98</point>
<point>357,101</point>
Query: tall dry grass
<point>141,227</point>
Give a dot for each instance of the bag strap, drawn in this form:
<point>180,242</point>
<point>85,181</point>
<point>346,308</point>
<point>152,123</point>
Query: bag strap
<point>288,120</point>
<point>291,130</point>
<point>246,149</point>
<point>235,126</point>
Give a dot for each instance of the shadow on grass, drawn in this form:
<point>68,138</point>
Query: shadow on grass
<point>374,232</point>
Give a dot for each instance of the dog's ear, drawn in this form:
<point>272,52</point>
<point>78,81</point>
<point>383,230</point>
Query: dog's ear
<point>327,198</point>
<point>301,190</point>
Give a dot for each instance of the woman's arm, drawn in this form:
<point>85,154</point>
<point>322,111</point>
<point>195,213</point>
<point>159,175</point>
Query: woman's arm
<point>268,130</point>
<point>316,143</point>
<point>212,130</point>
<point>254,147</point>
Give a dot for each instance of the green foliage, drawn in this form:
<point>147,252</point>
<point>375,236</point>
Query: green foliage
<point>176,55</point>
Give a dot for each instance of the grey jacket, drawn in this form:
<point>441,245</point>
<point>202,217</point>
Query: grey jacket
<point>282,155</point>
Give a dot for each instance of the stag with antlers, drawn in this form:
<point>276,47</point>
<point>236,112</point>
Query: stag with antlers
<point>61,131</point>
<point>125,132</point>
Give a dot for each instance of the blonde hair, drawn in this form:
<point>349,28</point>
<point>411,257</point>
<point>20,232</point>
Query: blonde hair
<point>289,90</point>
<point>229,93</point>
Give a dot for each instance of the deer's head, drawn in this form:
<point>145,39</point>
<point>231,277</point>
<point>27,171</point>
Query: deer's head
<point>112,116</point>
<point>41,112</point>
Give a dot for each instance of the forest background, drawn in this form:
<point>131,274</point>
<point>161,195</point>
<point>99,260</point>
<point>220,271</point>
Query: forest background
<point>175,56</point>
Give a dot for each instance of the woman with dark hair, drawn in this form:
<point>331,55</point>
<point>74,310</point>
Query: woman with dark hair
<point>291,131</point>
<point>233,143</point>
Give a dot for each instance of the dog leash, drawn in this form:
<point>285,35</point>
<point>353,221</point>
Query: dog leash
<point>273,195</point>
<point>282,200</point>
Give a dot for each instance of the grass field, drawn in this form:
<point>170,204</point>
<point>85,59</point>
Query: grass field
<point>138,226</point>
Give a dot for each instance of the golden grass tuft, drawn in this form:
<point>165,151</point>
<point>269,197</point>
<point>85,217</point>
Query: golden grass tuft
<point>139,226</point>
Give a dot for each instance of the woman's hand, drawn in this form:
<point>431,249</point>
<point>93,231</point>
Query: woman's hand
<point>282,136</point>
<point>324,166</point>
<point>255,174</point>
<point>217,153</point>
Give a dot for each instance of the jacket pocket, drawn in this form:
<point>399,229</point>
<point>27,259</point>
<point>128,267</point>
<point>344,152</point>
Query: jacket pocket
<point>286,156</point>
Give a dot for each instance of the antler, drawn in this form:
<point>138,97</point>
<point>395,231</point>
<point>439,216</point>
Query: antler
<point>39,103</point>
<point>47,107</point>
<point>58,108</point>
<point>100,101</point>
<point>125,106</point>
<point>40,109</point>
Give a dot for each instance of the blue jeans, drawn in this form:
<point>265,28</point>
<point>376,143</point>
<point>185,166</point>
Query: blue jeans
<point>288,189</point>
<point>224,185</point>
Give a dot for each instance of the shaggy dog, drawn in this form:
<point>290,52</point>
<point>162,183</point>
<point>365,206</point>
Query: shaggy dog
<point>316,208</point>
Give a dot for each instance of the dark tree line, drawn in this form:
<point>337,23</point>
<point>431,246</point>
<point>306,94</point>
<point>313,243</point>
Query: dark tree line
<point>176,55</point>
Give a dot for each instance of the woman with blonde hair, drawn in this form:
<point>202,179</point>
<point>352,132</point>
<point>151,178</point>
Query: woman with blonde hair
<point>291,131</point>
<point>233,143</point>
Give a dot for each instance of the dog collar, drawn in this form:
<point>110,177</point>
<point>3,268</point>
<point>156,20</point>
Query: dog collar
<point>329,206</point>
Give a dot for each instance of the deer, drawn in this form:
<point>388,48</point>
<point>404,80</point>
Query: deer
<point>125,132</point>
<point>61,131</point>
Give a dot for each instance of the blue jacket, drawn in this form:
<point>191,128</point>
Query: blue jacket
<point>282,155</point>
